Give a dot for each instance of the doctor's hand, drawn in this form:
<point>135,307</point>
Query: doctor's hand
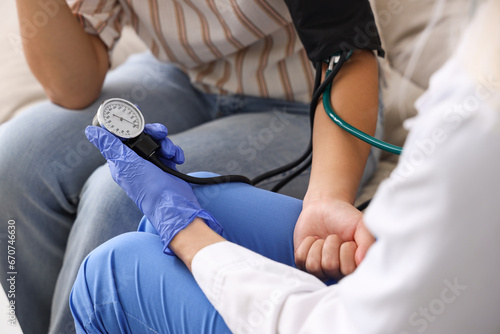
<point>330,238</point>
<point>167,201</point>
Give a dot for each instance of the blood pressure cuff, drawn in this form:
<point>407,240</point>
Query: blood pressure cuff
<point>326,27</point>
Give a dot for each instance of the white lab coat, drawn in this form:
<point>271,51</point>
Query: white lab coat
<point>435,265</point>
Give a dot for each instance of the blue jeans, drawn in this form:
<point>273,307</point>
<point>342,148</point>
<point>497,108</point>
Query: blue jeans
<point>128,285</point>
<point>55,185</point>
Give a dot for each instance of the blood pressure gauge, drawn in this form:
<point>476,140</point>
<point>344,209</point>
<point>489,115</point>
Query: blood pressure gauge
<point>120,117</point>
<point>124,120</point>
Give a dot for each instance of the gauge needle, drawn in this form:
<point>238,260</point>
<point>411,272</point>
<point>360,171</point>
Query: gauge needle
<point>123,119</point>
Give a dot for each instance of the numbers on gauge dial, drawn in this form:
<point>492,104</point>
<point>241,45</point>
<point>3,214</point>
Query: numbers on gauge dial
<point>121,119</point>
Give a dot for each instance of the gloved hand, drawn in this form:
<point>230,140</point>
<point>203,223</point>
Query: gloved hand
<point>167,201</point>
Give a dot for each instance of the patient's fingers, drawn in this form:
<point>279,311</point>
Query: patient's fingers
<point>330,261</point>
<point>313,261</point>
<point>347,262</point>
<point>302,251</point>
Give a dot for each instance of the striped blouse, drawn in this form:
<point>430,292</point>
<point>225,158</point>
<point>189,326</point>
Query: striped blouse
<point>226,46</point>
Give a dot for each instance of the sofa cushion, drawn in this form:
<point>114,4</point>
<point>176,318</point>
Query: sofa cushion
<point>17,84</point>
<point>413,55</point>
<point>401,24</point>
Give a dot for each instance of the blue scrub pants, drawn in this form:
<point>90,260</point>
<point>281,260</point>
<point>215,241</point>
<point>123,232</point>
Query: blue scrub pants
<point>128,285</point>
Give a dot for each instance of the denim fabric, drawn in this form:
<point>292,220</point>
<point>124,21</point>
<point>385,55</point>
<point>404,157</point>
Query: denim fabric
<point>56,187</point>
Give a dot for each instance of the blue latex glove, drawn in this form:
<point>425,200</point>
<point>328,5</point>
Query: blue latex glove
<point>167,201</point>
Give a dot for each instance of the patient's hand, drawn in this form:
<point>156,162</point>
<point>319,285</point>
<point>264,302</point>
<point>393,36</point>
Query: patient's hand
<point>330,238</point>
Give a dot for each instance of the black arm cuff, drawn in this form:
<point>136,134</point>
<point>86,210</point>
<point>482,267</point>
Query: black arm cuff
<point>326,27</point>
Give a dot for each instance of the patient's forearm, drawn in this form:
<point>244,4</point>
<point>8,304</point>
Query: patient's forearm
<point>339,158</point>
<point>69,63</point>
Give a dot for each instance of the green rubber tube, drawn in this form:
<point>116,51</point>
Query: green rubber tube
<point>352,130</point>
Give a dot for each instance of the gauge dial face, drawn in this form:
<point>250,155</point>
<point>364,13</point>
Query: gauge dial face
<point>121,117</point>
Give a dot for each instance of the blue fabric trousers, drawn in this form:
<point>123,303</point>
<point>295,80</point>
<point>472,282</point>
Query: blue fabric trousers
<point>128,285</point>
<point>56,187</point>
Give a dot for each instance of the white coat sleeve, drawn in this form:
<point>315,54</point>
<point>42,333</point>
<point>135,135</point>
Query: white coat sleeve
<point>434,267</point>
